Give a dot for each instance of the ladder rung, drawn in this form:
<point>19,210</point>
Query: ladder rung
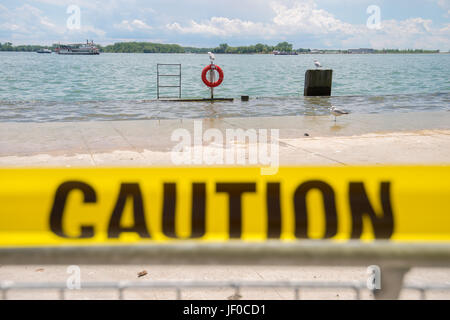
<point>169,75</point>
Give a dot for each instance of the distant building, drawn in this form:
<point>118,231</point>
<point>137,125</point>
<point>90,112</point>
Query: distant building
<point>361,50</point>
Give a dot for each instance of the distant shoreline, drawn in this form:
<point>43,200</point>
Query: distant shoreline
<point>308,53</point>
<point>282,47</point>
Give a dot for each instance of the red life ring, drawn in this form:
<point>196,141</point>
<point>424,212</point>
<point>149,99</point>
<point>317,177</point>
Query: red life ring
<point>209,83</point>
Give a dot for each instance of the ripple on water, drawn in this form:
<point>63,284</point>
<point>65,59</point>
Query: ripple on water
<point>263,106</point>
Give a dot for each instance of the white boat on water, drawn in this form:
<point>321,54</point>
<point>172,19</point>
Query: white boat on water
<point>87,48</point>
<point>44,51</point>
<point>284,53</point>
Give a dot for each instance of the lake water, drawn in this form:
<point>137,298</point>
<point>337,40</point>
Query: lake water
<point>36,87</point>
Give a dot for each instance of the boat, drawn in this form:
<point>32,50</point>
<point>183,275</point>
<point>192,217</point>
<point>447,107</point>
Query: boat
<point>88,48</point>
<point>284,53</point>
<point>44,51</point>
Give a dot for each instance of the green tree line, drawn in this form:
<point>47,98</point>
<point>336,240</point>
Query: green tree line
<point>148,47</point>
<point>142,47</point>
<point>8,46</point>
<point>257,48</point>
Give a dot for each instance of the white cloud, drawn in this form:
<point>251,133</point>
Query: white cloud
<point>409,33</point>
<point>30,23</point>
<point>88,30</point>
<point>44,21</point>
<point>9,26</point>
<point>304,18</point>
<point>139,24</point>
<point>86,4</point>
<point>305,15</point>
<point>132,25</point>
<point>26,20</point>
<point>221,26</point>
<point>443,3</point>
<point>446,28</point>
<point>292,20</point>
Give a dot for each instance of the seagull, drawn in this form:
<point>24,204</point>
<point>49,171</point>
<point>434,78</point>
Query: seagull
<point>212,57</point>
<point>317,63</point>
<point>336,112</point>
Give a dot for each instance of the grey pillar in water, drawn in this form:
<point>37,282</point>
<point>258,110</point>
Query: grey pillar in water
<point>318,82</point>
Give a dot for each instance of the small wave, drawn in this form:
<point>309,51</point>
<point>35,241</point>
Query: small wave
<point>95,110</point>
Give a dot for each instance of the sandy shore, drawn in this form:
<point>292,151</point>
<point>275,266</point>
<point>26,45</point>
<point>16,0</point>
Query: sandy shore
<point>403,138</point>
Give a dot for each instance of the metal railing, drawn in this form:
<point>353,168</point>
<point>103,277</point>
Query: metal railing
<point>179,286</point>
<point>271,252</point>
<point>394,259</point>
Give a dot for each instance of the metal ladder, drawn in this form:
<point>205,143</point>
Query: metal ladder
<point>168,75</point>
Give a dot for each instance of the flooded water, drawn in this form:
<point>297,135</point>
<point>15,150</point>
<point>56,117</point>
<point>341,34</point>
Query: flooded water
<point>40,88</point>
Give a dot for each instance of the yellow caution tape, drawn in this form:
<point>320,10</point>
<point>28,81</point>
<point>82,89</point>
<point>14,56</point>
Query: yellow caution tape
<point>95,206</point>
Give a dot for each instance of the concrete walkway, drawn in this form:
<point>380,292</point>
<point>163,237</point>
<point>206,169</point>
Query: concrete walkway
<point>400,138</point>
<point>90,273</point>
<point>396,138</point>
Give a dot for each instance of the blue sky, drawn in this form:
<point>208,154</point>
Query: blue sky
<point>336,24</point>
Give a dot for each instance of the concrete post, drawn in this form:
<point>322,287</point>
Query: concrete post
<point>318,82</point>
<point>391,283</point>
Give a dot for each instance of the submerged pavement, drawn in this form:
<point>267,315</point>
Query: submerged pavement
<point>356,139</point>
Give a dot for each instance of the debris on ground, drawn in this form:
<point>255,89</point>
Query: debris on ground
<point>143,273</point>
<point>235,296</point>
